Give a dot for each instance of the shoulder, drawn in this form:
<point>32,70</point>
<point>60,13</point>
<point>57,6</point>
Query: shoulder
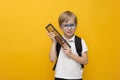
<point>79,38</point>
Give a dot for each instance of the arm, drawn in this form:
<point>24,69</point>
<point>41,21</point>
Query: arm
<point>83,59</point>
<point>80,59</point>
<point>52,54</point>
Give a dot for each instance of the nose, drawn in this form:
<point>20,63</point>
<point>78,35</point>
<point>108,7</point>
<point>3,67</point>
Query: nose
<point>70,28</point>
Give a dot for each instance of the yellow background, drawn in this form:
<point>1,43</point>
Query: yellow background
<point>24,43</point>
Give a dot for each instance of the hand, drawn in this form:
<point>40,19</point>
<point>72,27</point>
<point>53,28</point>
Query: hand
<point>67,50</point>
<point>52,36</point>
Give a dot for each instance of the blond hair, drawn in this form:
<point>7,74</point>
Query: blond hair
<point>66,16</point>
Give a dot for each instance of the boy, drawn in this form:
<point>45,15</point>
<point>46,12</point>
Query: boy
<point>70,60</point>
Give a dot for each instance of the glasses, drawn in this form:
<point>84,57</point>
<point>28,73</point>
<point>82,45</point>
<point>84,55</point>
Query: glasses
<point>68,26</point>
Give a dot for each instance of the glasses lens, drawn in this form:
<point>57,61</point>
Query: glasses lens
<point>68,26</point>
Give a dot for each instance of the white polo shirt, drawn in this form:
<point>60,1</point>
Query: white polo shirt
<point>66,67</point>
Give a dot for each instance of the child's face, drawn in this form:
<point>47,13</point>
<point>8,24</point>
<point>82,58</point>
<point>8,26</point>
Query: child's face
<point>68,28</point>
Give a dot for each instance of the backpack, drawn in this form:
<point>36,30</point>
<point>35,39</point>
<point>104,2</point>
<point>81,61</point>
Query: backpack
<point>78,46</point>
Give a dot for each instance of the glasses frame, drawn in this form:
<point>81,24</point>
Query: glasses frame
<point>68,26</point>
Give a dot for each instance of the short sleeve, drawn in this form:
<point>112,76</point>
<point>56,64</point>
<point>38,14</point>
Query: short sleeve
<point>84,46</point>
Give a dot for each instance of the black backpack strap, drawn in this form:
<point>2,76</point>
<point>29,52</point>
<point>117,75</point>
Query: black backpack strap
<point>78,45</point>
<point>58,46</point>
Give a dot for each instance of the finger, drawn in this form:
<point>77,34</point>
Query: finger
<point>52,35</point>
<point>64,45</point>
<point>64,48</point>
<point>64,51</point>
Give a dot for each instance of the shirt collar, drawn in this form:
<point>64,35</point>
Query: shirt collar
<point>71,39</point>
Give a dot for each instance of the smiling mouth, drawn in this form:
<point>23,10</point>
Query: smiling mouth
<point>69,32</point>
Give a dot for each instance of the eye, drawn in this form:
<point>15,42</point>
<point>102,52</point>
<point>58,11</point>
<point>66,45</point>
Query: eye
<point>72,25</point>
<point>65,25</point>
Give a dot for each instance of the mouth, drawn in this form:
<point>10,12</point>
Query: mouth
<point>69,32</point>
